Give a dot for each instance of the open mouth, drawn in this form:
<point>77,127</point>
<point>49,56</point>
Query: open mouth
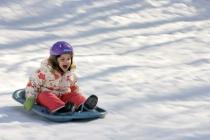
<point>65,66</point>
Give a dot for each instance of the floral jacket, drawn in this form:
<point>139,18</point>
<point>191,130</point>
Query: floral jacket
<point>47,79</point>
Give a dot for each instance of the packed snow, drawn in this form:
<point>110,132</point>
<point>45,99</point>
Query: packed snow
<point>148,61</point>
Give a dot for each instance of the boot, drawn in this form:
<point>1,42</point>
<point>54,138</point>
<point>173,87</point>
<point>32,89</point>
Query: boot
<point>69,107</point>
<point>91,102</point>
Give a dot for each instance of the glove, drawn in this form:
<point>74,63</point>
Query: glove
<point>28,104</point>
<point>74,88</point>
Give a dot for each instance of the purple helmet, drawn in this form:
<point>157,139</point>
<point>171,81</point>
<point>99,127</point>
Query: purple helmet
<point>61,47</point>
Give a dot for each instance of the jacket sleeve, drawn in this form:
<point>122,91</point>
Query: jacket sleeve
<point>70,80</point>
<point>35,83</point>
<point>74,86</point>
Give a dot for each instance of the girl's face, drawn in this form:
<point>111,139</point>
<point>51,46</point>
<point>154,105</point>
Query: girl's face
<point>64,61</point>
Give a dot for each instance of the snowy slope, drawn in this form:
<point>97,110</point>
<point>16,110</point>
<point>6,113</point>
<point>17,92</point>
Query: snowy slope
<point>147,60</point>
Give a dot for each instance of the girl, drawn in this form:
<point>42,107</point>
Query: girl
<point>54,86</point>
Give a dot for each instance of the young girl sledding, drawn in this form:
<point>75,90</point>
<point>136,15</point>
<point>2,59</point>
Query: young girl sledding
<point>54,86</point>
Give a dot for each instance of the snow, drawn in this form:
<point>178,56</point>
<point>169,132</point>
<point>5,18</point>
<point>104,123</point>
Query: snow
<point>148,62</point>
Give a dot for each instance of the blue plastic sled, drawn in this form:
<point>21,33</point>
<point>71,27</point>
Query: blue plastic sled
<point>19,96</point>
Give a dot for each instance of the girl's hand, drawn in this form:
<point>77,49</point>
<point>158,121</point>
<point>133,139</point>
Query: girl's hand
<point>74,88</point>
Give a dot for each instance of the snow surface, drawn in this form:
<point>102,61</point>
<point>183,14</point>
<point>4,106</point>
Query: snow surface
<point>147,60</point>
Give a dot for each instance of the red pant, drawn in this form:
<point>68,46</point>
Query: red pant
<point>54,102</point>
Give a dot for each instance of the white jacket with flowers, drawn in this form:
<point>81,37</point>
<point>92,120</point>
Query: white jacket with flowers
<point>45,79</point>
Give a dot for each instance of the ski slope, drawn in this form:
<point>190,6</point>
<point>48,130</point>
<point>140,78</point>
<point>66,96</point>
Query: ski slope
<point>148,61</point>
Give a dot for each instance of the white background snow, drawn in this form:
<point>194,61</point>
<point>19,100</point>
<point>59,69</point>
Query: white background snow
<point>148,61</point>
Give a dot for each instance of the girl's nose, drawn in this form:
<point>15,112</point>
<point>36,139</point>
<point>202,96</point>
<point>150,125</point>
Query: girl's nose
<point>66,61</point>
